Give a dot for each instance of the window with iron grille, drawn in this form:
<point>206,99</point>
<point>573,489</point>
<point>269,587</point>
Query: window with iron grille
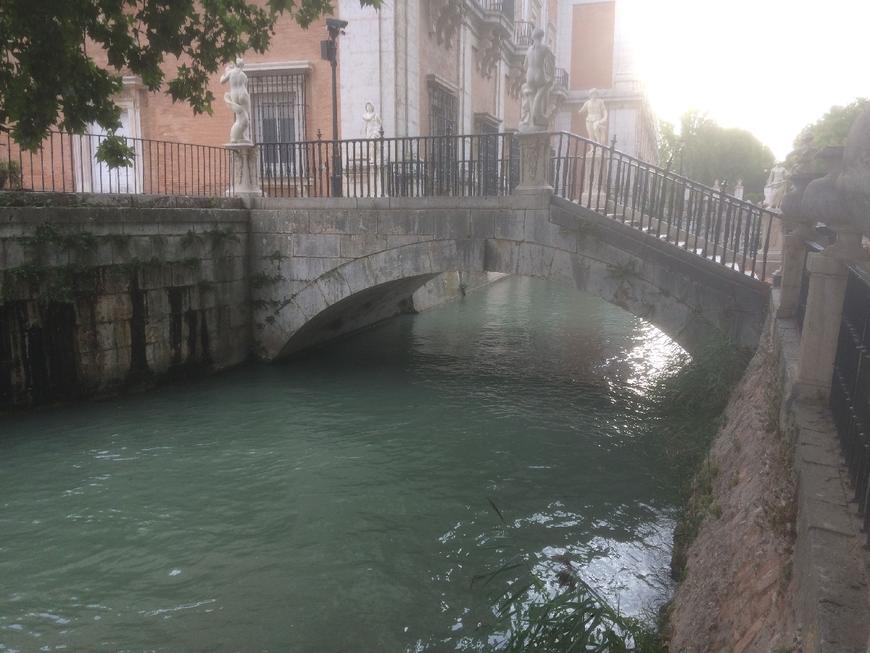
<point>278,103</point>
<point>443,114</point>
<point>487,165</point>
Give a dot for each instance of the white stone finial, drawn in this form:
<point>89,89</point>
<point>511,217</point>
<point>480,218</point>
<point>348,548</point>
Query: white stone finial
<point>238,100</point>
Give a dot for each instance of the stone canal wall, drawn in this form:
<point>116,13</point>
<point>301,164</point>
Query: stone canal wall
<point>779,562</point>
<point>99,292</point>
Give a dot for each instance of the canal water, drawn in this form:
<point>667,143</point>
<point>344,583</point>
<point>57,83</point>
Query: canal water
<point>343,502</point>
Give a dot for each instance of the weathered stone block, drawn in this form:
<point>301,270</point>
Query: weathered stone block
<point>334,287</point>
<point>113,308</point>
<point>288,221</point>
<point>405,222</point>
<point>452,223</point>
<point>362,245</point>
<point>343,222</point>
<point>308,269</point>
<point>502,256</point>
<point>317,246</point>
<point>509,225</point>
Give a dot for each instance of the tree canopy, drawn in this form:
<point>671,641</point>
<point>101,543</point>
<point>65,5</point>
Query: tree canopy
<point>49,78</point>
<point>705,151</point>
<point>830,129</point>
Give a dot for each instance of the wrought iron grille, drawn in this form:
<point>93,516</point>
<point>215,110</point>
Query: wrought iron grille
<point>443,113</point>
<point>278,103</point>
<point>523,33</point>
<point>850,390</point>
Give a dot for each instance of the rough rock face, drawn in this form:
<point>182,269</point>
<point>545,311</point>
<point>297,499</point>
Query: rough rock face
<point>736,588</point>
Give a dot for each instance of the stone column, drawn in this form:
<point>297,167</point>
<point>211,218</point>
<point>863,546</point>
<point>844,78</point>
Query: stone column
<point>246,170</point>
<point>794,249</point>
<point>534,163</point>
<point>829,273</point>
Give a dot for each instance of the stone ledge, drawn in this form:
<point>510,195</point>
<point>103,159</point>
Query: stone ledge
<point>831,601</point>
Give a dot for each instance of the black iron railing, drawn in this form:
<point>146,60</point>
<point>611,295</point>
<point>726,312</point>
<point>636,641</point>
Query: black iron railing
<point>562,77</point>
<point>468,166</point>
<point>850,390</point>
<point>694,217</point>
<point>505,7</point>
<point>67,163</point>
<point>523,30</point>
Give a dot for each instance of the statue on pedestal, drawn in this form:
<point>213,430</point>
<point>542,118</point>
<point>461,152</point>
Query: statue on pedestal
<point>539,103</point>
<point>596,117</point>
<point>373,124</point>
<point>238,100</point>
<point>774,190</point>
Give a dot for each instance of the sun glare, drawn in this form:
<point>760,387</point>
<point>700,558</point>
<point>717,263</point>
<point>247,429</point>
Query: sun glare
<point>768,66</point>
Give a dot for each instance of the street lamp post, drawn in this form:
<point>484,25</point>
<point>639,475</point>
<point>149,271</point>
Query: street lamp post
<point>329,52</point>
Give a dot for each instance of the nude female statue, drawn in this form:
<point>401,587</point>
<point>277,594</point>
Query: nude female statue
<point>238,101</point>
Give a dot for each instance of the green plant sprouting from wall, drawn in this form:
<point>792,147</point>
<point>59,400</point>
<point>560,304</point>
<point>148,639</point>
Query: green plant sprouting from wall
<point>60,263</point>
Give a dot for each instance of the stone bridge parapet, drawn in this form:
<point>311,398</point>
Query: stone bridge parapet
<point>322,267</point>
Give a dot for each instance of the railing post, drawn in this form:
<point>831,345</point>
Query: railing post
<point>794,251</point>
<point>534,162</point>
<point>829,272</point>
<point>610,156</point>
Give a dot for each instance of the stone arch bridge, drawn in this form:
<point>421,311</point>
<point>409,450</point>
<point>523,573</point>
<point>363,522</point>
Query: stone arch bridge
<point>324,267</point>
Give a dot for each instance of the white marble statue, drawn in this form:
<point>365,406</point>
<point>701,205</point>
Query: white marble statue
<point>739,189</point>
<point>596,117</point>
<point>238,101</point>
<point>373,124</point>
<point>538,105</point>
<point>775,189</point>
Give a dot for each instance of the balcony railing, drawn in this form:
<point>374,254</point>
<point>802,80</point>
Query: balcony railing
<point>505,7</point>
<point>67,163</point>
<point>562,77</point>
<point>523,30</point>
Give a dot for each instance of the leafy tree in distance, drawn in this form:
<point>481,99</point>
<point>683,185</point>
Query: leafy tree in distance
<point>704,151</point>
<point>830,129</point>
<point>48,77</point>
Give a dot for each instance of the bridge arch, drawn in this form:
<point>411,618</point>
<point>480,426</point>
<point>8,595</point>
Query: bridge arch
<point>688,298</point>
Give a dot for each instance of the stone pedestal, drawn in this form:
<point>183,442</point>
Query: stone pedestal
<point>820,335</point>
<point>246,170</point>
<point>534,162</point>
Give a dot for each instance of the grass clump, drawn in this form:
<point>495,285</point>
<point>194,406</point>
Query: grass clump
<point>557,611</point>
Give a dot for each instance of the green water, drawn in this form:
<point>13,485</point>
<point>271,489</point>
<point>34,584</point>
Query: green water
<point>340,503</point>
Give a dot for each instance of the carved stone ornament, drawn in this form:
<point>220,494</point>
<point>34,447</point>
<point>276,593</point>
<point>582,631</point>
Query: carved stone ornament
<point>445,19</point>
<point>515,80</point>
<point>489,53</point>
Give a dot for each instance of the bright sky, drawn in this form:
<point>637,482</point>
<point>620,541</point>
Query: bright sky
<point>767,66</point>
